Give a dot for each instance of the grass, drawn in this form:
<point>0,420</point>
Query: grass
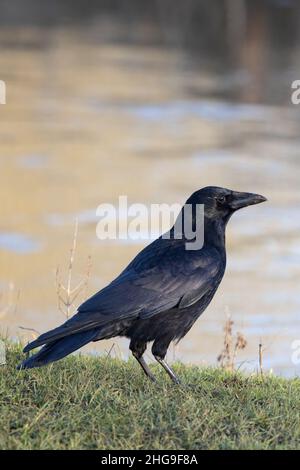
<point>85,402</point>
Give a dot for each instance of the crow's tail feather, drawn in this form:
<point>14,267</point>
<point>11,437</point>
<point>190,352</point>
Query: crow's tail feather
<point>58,349</point>
<point>76,324</point>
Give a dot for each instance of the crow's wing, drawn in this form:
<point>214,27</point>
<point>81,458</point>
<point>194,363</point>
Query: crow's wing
<point>158,279</point>
<point>164,275</point>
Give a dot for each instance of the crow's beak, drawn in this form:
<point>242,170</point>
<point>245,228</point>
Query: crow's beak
<point>240,200</point>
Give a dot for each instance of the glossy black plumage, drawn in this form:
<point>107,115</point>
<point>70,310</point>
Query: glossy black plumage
<point>158,296</point>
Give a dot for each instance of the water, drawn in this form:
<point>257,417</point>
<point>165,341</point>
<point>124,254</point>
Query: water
<point>82,126</point>
<point>17,243</point>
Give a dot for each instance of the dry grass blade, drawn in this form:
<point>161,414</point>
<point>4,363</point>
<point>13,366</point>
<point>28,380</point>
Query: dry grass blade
<point>231,345</point>
<point>66,294</point>
<point>9,301</point>
<point>260,358</point>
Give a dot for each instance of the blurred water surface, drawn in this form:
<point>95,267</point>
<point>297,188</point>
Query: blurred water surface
<point>87,121</point>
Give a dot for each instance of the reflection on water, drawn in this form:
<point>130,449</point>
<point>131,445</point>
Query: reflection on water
<point>212,110</point>
<point>33,161</point>
<point>17,243</point>
<point>83,126</point>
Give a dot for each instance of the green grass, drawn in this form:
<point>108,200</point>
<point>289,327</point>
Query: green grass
<point>90,403</point>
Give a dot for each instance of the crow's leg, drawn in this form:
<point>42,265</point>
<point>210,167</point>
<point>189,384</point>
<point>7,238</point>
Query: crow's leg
<point>159,351</point>
<point>168,369</point>
<point>138,350</point>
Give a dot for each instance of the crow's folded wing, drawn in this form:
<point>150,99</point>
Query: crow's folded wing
<point>155,281</point>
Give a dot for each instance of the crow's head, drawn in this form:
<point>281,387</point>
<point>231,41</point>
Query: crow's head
<point>222,202</point>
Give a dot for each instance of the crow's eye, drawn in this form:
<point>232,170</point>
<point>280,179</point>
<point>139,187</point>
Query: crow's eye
<point>221,199</point>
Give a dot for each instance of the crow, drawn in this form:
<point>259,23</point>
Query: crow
<point>160,294</point>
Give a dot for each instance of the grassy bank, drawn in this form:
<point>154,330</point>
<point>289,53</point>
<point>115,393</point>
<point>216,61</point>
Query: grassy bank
<point>89,403</point>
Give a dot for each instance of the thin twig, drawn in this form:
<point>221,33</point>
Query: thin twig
<point>260,358</point>
<point>110,351</point>
<point>34,333</point>
<point>66,294</point>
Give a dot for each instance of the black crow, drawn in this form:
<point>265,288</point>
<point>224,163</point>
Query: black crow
<point>160,294</point>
